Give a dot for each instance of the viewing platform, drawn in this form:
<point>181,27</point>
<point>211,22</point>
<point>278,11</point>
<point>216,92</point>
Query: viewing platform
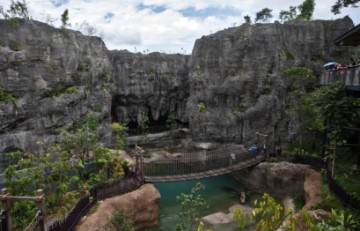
<point>349,77</point>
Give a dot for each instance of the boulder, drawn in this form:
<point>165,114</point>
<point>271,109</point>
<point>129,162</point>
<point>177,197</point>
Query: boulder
<point>142,206</point>
<point>226,218</point>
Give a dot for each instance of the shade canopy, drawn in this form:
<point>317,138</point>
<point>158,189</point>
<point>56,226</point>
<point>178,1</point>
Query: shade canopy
<point>330,64</point>
<point>349,38</point>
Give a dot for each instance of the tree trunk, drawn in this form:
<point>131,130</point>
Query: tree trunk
<point>333,162</point>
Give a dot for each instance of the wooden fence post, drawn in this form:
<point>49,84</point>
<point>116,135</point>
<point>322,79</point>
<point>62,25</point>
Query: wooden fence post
<point>6,205</point>
<point>40,201</point>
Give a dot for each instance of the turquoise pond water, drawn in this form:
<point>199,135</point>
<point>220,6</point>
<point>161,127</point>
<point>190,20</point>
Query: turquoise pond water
<point>217,193</point>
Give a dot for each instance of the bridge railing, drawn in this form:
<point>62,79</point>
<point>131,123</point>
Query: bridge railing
<point>349,77</point>
<point>198,162</point>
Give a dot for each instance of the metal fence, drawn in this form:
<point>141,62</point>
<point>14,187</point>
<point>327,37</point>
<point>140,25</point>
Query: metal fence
<point>107,190</point>
<point>341,194</point>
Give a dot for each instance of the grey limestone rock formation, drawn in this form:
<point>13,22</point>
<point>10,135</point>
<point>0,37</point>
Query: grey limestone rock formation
<point>228,89</point>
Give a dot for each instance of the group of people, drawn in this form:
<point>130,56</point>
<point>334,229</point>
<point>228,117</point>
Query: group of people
<point>353,63</point>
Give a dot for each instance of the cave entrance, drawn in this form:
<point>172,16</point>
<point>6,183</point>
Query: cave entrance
<point>153,126</point>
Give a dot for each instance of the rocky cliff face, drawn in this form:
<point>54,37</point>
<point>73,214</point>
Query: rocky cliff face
<point>232,76</point>
<point>235,74</point>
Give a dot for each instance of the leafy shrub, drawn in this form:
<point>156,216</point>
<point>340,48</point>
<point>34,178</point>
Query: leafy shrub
<point>14,46</point>
<point>119,221</point>
<point>286,55</point>
<point>71,90</point>
<point>201,107</point>
<point>84,67</point>
<point>106,76</point>
<point>52,68</point>
<point>7,97</point>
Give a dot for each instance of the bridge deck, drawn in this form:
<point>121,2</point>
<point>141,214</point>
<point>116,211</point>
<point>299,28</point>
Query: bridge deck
<point>209,173</point>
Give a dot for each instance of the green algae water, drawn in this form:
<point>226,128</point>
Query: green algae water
<point>221,192</point>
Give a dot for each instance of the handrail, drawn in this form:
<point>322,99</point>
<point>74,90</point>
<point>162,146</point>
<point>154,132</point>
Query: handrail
<point>348,76</point>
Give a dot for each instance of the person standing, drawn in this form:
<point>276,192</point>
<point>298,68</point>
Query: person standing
<point>232,158</point>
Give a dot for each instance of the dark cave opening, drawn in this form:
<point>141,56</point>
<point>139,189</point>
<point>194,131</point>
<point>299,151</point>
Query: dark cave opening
<point>162,124</point>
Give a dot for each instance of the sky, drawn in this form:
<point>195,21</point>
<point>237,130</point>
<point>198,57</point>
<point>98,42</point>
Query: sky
<point>169,26</point>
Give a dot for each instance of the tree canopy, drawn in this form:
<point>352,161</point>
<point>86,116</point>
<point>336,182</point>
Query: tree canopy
<point>306,10</point>
<point>343,3</point>
<point>264,15</point>
<point>286,15</point>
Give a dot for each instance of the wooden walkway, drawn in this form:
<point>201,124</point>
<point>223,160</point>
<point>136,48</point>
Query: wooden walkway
<point>199,165</point>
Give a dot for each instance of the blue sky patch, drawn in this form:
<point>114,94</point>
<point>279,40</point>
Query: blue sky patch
<point>108,16</point>
<point>154,8</point>
<point>58,3</point>
<point>210,11</point>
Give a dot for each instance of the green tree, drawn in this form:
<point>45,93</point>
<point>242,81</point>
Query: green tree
<point>78,140</point>
<point>49,170</point>
<point>190,208</point>
<point>270,216</point>
<point>144,125</point>
<point>120,132</point>
<point>247,19</point>
<point>286,15</point>
<point>64,22</point>
<point>264,15</point>
<point>339,4</point>
<point>306,10</point>
<point>339,110</point>
<point>18,9</point>
<point>300,81</point>
<point>119,221</point>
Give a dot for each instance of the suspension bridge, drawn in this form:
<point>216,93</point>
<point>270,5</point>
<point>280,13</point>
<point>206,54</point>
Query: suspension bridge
<point>191,166</point>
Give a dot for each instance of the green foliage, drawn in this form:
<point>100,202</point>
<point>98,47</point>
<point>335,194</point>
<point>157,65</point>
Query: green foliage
<point>286,15</point>
<point>339,221</point>
<point>84,67</point>
<point>339,4</point>
<point>106,76</point>
<point>166,75</point>
<point>267,89</point>
<point>64,19</point>
<point>300,81</point>
<point>190,208</point>
<point>306,10</point>
<point>83,138</point>
<point>49,170</point>
<point>151,74</point>
<point>244,36</point>
<point>7,97</point>
<point>120,132</point>
<point>286,55</point>
<point>14,45</point>
<point>59,90</point>
<point>119,221</point>
<point>71,90</point>
<point>350,182</point>
<point>201,107</point>
<point>18,9</point>
<point>144,123</point>
<point>264,15</point>
<point>270,216</point>
<point>52,67</point>
<point>247,19</point>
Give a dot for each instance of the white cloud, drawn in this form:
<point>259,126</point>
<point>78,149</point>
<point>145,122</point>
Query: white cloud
<point>158,25</point>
